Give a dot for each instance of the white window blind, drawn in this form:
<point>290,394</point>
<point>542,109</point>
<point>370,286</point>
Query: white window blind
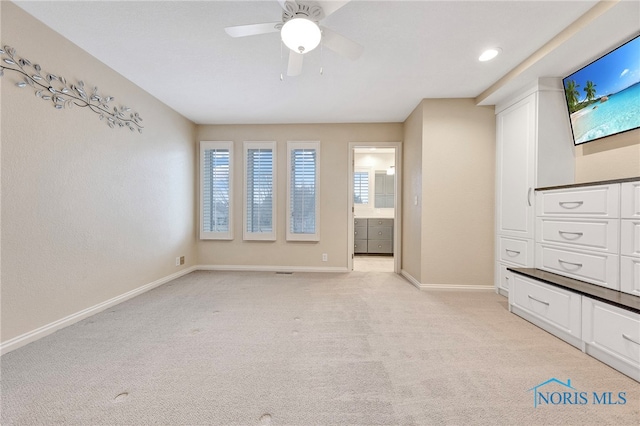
<point>260,177</point>
<point>361,187</point>
<point>216,190</point>
<point>303,191</point>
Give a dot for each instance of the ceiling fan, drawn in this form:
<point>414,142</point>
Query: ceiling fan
<point>300,31</point>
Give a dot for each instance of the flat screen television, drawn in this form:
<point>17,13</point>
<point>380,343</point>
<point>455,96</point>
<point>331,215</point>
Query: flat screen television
<point>603,98</point>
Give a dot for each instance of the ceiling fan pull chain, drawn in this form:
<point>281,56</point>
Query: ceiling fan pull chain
<point>321,56</point>
<point>281,63</point>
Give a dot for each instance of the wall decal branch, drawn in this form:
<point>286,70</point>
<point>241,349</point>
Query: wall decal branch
<point>61,94</point>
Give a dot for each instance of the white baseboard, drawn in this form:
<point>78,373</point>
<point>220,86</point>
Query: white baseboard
<point>422,286</point>
<point>269,268</point>
<point>50,328</point>
<point>411,279</point>
<point>456,287</point>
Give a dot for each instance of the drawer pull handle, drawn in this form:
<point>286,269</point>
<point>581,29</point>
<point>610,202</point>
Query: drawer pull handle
<point>624,336</point>
<point>538,300</point>
<point>564,262</point>
<point>577,235</point>
<point>379,232</point>
<point>570,204</point>
<point>516,253</point>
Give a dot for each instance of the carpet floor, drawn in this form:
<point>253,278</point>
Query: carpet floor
<point>364,348</point>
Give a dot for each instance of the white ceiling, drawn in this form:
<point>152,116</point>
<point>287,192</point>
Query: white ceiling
<point>179,52</point>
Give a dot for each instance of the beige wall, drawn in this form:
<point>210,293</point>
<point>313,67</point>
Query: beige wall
<point>412,189</point>
<point>615,157</point>
<point>335,185</point>
<point>458,180</point>
<point>449,164</point>
<point>88,212</point>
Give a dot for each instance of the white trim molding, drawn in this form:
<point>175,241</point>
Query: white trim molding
<point>50,328</point>
<point>422,286</point>
<point>269,268</point>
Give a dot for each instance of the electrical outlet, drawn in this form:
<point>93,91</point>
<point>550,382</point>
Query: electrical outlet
<point>177,261</point>
<point>182,260</point>
<point>325,257</point>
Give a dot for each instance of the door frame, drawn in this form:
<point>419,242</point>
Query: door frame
<point>397,215</point>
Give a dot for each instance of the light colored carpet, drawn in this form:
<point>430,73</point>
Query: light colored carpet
<point>215,348</point>
<point>373,263</point>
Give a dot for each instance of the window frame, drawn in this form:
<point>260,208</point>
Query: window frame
<point>207,146</point>
<point>260,236</point>
<point>368,171</point>
<point>291,147</point>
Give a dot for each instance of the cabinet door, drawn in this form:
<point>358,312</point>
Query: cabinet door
<point>515,168</point>
<point>630,203</point>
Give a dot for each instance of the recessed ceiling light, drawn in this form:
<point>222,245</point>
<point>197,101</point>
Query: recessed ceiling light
<point>489,54</point>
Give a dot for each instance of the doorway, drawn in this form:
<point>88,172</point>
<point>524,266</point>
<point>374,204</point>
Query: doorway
<point>374,225</point>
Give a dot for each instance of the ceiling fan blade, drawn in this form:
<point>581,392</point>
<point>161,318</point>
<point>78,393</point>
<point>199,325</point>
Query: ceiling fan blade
<point>292,5</point>
<point>252,29</point>
<point>340,44</point>
<point>295,63</point>
<point>330,6</point>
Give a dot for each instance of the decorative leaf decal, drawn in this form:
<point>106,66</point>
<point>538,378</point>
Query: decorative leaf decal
<point>74,95</point>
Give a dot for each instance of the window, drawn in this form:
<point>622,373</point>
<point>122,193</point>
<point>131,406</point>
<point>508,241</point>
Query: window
<point>361,187</point>
<point>260,185</point>
<point>216,188</point>
<point>303,159</point>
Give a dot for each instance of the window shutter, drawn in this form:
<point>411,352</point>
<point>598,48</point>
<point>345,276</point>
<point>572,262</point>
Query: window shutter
<point>260,191</point>
<point>361,187</point>
<point>303,191</point>
<point>216,213</point>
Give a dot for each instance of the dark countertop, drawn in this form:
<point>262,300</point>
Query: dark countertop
<point>602,182</point>
<point>603,294</point>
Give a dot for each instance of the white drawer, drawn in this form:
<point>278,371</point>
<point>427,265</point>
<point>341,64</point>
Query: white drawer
<point>596,201</point>
<point>630,200</point>
<point>630,237</point>
<point>630,275</point>
<point>552,305</point>
<point>614,333</point>
<point>592,234</point>
<point>593,267</point>
<point>505,277</point>
<point>515,251</point>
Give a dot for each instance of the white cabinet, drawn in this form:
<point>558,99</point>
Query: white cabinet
<point>604,323</point>
<point>556,310</point>
<point>593,267</point>
<point>533,148</point>
<point>612,335</point>
<point>630,238</point>
<point>577,233</point>
<point>591,233</point>
<point>505,278</point>
<point>590,201</point>
<point>515,129</point>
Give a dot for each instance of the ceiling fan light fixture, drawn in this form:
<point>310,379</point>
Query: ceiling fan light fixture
<point>489,54</point>
<point>301,35</point>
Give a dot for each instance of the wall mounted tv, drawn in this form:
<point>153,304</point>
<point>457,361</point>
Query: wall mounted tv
<point>603,98</point>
